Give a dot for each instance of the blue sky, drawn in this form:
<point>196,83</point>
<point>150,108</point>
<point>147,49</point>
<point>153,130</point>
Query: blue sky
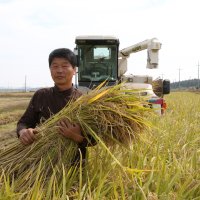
<point>31,29</point>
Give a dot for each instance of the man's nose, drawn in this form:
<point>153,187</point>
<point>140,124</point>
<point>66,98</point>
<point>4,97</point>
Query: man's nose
<point>59,69</point>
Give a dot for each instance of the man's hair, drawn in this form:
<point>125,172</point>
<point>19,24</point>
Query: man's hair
<point>63,53</point>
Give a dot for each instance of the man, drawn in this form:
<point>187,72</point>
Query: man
<point>48,101</point>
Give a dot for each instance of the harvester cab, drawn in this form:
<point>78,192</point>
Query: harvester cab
<point>97,60</point>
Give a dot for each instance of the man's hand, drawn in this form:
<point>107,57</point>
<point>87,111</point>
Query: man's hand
<point>27,136</point>
<point>70,131</point>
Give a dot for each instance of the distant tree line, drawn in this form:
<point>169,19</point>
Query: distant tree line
<point>191,83</point>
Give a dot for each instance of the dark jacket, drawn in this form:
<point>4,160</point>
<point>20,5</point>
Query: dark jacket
<point>44,103</point>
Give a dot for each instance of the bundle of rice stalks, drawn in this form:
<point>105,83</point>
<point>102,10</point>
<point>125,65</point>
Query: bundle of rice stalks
<point>158,87</point>
<point>106,114</point>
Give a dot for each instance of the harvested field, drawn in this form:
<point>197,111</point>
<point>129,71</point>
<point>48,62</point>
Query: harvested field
<point>12,106</point>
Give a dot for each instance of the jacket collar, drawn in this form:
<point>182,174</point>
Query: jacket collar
<point>64,92</point>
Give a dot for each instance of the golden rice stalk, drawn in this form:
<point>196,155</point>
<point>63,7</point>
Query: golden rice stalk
<point>110,114</point>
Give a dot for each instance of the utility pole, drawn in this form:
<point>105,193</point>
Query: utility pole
<point>25,84</point>
<point>198,76</point>
<point>162,76</point>
<point>179,77</point>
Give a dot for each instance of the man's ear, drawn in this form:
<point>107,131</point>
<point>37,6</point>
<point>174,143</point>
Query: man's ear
<point>74,71</point>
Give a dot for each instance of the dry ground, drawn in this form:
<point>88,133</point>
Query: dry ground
<point>12,106</point>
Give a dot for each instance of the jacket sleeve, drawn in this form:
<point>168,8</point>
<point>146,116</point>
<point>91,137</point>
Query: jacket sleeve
<point>30,117</point>
<point>87,142</point>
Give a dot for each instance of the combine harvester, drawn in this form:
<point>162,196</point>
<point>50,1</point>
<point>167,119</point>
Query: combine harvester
<point>100,59</point>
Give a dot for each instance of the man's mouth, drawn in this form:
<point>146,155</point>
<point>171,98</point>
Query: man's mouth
<point>59,77</point>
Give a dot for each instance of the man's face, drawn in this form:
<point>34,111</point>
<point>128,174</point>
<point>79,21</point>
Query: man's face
<point>62,71</point>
